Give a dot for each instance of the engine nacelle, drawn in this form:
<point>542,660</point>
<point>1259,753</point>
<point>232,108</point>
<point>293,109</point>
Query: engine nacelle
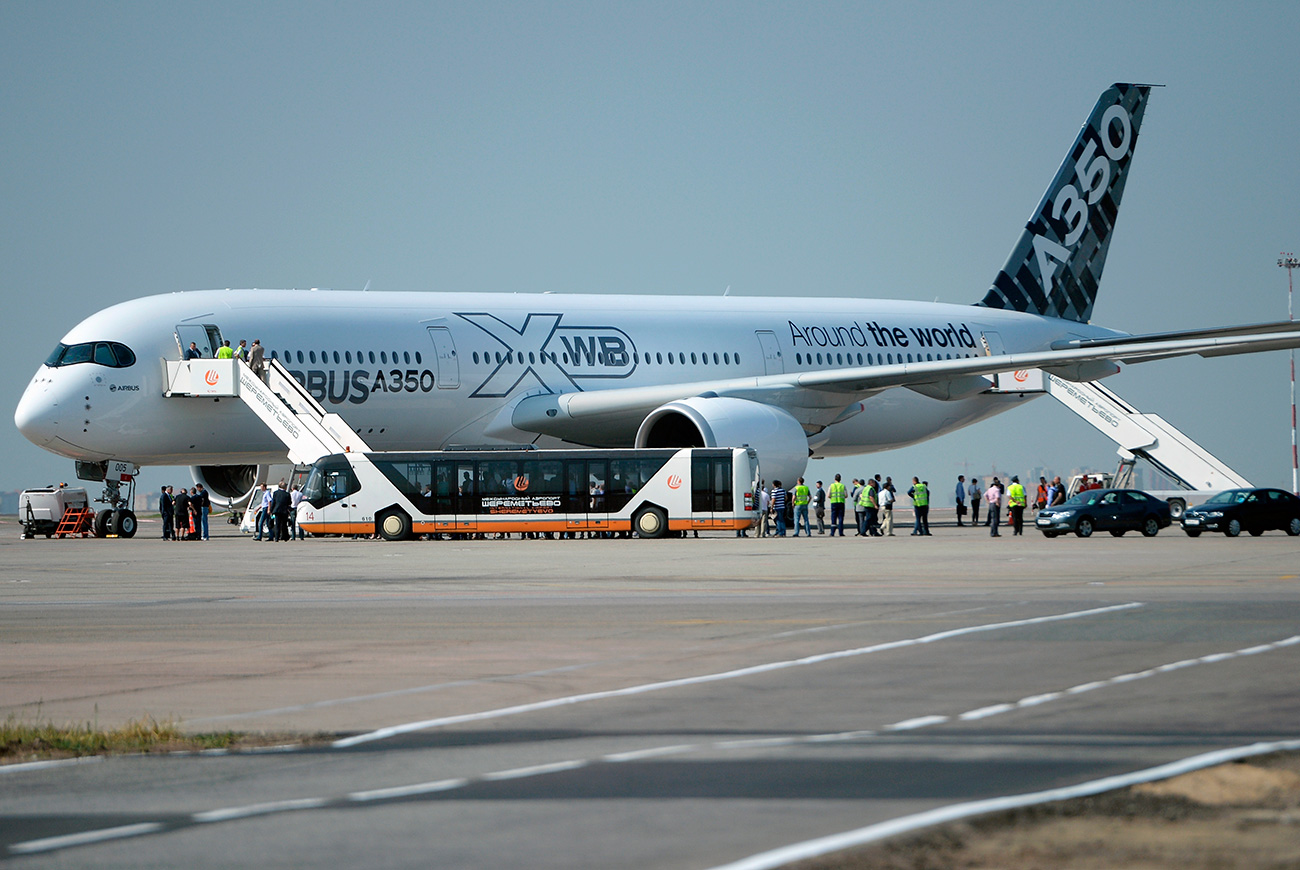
<point>234,484</point>
<point>716,421</point>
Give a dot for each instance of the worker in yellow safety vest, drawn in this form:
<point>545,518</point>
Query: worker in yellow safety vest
<point>802,497</point>
<point>920,493</point>
<point>1016,501</point>
<point>837,495</point>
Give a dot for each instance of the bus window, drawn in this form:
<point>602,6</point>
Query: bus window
<point>623,483</point>
<point>722,495</point>
<point>597,476</point>
<point>543,476</point>
<point>330,480</point>
<point>466,488</point>
<point>497,477</point>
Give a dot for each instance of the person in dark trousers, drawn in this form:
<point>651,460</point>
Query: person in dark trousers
<point>181,510</point>
<point>280,501</point>
<point>165,509</point>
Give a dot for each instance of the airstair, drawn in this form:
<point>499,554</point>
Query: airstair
<point>308,431</point>
<point>1139,435</point>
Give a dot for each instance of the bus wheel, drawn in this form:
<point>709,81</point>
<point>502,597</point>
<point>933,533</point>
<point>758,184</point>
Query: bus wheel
<point>394,526</point>
<point>650,522</point>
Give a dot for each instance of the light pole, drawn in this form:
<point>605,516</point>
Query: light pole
<point>1289,262</point>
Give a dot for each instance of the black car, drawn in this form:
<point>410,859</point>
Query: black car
<point>1251,510</point>
<point>1112,510</point>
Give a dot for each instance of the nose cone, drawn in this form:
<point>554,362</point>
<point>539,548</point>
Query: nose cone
<point>38,411</point>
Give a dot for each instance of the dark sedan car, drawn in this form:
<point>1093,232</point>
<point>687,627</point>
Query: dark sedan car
<point>1251,510</point>
<point>1112,510</point>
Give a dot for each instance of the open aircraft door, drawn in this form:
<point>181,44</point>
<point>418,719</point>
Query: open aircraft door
<point>206,336</point>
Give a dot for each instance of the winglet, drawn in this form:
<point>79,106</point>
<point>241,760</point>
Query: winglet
<point>1056,265</point>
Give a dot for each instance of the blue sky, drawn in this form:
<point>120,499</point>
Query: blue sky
<point>781,149</point>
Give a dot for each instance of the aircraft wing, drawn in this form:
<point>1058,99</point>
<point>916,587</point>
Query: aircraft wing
<point>822,397</point>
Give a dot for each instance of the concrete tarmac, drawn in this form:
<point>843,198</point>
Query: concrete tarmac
<point>611,703</point>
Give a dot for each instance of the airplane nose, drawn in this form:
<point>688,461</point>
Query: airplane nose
<point>38,413</point>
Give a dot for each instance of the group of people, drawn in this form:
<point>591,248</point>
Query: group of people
<point>185,514</point>
<point>277,513</point>
<point>255,356</point>
<point>1017,500</point>
<point>872,499</point>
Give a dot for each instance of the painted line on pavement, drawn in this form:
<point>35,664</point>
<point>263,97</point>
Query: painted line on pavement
<point>893,827</point>
<point>519,709</point>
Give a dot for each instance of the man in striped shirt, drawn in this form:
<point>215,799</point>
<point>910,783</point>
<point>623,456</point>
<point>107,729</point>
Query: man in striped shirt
<point>778,507</point>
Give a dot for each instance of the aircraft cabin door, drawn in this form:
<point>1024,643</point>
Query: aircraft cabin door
<point>772,362</point>
<point>448,364</point>
<point>991,342</point>
<point>206,336</point>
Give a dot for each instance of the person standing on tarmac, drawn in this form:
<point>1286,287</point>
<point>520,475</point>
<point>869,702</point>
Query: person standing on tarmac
<point>802,498</point>
<point>204,502</point>
<point>920,494</point>
<point>975,496</point>
<point>778,507</point>
<point>886,497</point>
<point>165,508</point>
<point>1016,501</point>
<point>819,508</point>
<point>837,496</point>
<point>961,498</point>
<point>181,514</point>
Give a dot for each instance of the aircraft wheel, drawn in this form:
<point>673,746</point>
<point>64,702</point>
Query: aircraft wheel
<point>394,526</point>
<point>1151,527</point>
<point>103,520</point>
<point>1084,528</point>
<point>650,522</point>
<point>1233,528</point>
<point>123,524</point>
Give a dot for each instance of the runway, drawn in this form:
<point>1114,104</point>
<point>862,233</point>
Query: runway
<point>664,704</point>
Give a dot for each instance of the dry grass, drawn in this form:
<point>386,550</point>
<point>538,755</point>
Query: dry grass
<point>30,741</point>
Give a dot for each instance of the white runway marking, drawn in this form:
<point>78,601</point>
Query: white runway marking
<point>883,830</point>
<point>424,725</point>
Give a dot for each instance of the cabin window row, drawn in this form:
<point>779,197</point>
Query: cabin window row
<point>839,359</point>
<point>381,358</point>
<point>638,358</point>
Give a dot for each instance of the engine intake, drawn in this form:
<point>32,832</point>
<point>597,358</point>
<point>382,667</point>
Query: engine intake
<point>717,421</point>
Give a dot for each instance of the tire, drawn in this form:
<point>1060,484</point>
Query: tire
<point>1293,527</point>
<point>103,520</point>
<point>1117,533</point>
<point>394,526</point>
<point>1192,533</point>
<point>1083,528</point>
<point>1150,527</point>
<point>123,524</point>
<point>1233,528</point>
<point>1177,507</point>
<point>650,522</point>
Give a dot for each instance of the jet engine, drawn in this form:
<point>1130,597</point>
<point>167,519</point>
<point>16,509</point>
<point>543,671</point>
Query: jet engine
<point>716,421</point>
<point>235,483</point>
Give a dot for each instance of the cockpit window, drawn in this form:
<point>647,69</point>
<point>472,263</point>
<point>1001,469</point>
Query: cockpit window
<point>105,353</point>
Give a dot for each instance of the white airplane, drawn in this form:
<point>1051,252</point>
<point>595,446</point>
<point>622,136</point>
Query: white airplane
<point>793,377</point>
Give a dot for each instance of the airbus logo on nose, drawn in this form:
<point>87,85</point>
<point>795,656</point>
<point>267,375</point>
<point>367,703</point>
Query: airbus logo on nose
<point>556,357</point>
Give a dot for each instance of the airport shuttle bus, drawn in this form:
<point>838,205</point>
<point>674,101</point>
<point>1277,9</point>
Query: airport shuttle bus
<point>649,491</point>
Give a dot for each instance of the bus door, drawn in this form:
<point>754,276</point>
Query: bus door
<point>712,497</point>
<point>442,506</point>
<point>464,494</point>
<point>584,494</point>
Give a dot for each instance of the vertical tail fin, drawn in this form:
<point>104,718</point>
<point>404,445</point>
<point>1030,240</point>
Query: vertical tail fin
<point>1056,265</point>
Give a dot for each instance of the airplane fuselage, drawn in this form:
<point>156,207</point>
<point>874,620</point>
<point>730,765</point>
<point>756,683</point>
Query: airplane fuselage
<point>416,371</point>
